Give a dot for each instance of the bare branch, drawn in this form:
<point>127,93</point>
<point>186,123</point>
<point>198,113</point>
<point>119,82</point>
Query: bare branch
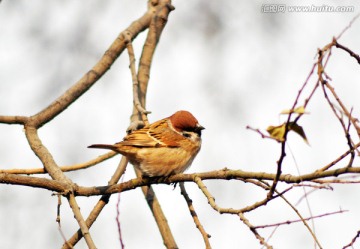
<point>36,182</point>
<point>74,167</point>
<point>326,167</point>
<point>197,222</point>
<point>136,86</point>
<point>161,10</point>
<point>348,26</point>
<point>253,230</point>
<point>45,156</point>
<point>95,212</point>
<point>288,222</point>
<point>91,77</point>
<point>351,53</point>
<point>352,241</point>
<point>118,220</point>
<point>224,174</point>
<point>13,119</point>
<point>79,218</point>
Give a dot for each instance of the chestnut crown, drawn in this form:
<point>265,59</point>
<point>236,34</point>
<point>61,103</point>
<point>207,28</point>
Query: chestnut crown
<point>185,121</point>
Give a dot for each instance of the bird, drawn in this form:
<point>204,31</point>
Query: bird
<point>163,148</point>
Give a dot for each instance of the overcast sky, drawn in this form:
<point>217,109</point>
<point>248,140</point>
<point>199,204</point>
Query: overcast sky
<point>227,62</point>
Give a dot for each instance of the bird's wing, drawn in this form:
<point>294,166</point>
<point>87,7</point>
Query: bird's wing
<point>157,134</point>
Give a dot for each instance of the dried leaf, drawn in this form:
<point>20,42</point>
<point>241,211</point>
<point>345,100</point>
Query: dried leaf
<point>278,132</point>
<point>299,130</point>
<point>298,110</point>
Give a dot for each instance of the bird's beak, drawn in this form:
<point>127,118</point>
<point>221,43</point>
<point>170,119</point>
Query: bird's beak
<point>200,127</point>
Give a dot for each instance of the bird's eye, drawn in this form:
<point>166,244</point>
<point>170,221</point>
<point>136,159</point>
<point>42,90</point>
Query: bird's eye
<point>185,134</point>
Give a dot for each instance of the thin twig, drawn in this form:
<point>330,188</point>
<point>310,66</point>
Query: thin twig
<point>67,168</point>
<point>58,219</point>
<point>161,10</point>
<point>348,26</point>
<point>357,235</point>
<point>329,165</point>
<point>288,222</point>
<point>118,219</point>
<point>261,133</point>
<point>303,221</point>
<point>136,90</point>
<point>351,53</point>
<point>197,222</point>
<point>253,230</point>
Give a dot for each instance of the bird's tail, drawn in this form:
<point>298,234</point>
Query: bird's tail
<point>103,146</point>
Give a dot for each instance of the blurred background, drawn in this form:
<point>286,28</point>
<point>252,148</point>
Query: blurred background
<point>227,62</point>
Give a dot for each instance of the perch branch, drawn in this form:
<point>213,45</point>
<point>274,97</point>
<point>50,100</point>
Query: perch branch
<point>224,174</point>
<point>160,10</point>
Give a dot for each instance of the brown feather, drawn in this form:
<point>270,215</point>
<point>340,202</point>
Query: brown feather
<point>103,146</point>
<point>183,121</point>
<point>161,148</point>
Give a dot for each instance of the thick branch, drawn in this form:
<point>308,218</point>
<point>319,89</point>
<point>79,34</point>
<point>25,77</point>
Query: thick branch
<point>158,22</point>
<point>36,182</point>
<point>88,80</point>
<point>224,174</point>
<point>45,156</point>
<point>13,119</point>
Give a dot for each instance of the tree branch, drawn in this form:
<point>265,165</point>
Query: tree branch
<point>196,219</point>
<point>95,212</point>
<point>91,77</point>
<point>74,167</point>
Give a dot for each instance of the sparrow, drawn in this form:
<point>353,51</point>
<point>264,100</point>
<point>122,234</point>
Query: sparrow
<point>163,148</point>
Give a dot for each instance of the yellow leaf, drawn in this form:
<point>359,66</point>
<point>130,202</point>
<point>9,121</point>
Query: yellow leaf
<point>298,110</point>
<point>278,132</point>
